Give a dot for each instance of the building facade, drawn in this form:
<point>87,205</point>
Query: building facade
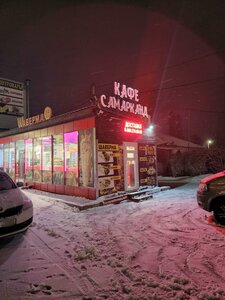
<point>91,152</point>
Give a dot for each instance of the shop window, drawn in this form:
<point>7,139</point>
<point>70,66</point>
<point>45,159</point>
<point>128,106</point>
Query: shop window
<point>71,158</point>
<point>12,160</point>
<point>6,158</point>
<point>1,156</point>
<point>58,158</point>
<point>86,157</point>
<point>37,160</point>
<point>29,159</point>
<point>20,160</point>
<point>46,159</point>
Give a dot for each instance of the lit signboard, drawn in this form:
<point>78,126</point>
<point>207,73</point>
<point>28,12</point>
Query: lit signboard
<point>46,115</point>
<point>12,96</point>
<point>132,127</point>
<point>124,100</point>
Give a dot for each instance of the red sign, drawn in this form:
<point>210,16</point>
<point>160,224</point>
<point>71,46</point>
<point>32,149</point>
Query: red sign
<point>132,127</point>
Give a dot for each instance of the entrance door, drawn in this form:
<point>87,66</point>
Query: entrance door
<point>131,179</point>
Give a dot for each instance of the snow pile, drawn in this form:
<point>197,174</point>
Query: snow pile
<point>163,248</point>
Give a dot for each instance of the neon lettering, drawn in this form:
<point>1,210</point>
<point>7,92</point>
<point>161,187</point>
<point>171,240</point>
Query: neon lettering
<point>124,91</point>
<point>130,93</point>
<point>116,88</point>
<point>102,98</point>
<point>136,95</point>
<point>123,106</point>
<point>116,103</point>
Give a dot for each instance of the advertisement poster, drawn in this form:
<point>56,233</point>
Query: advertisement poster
<point>147,164</point>
<point>86,157</point>
<point>11,97</point>
<point>110,173</point>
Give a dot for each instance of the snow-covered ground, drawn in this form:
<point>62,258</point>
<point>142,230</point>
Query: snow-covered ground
<point>162,248</point>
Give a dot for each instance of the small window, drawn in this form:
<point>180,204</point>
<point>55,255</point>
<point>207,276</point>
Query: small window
<point>46,159</point>
<point>37,160</point>
<point>1,156</point>
<point>12,160</point>
<point>29,159</point>
<point>71,158</point>
<point>58,159</point>
<point>6,158</point>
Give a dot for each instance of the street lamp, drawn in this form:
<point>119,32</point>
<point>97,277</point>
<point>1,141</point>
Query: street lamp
<point>150,129</point>
<point>209,142</point>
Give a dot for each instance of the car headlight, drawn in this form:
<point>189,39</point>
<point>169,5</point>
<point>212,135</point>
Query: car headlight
<point>203,187</point>
<point>27,203</point>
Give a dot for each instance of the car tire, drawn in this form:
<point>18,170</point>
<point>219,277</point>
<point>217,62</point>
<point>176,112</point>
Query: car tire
<point>219,212</point>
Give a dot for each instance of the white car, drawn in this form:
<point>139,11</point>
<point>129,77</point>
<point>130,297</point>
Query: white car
<point>16,209</point>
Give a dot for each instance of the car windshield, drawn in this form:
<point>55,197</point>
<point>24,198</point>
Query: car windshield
<point>6,182</point>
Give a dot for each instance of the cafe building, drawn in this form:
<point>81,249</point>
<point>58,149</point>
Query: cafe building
<point>95,151</point>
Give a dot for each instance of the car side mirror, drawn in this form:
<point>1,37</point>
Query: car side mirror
<point>19,184</point>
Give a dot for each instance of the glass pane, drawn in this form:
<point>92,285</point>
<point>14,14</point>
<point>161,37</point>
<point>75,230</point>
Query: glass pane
<point>47,159</point>
<point>131,173</point>
<point>86,157</point>
<point>71,158</point>
<point>29,159</point>
<point>1,156</point>
<point>20,160</point>
<point>58,158</point>
<point>12,160</point>
<point>37,160</point>
<point>6,158</point>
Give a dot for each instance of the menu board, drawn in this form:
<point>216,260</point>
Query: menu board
<point>147,164</point>
<point>110,173</point>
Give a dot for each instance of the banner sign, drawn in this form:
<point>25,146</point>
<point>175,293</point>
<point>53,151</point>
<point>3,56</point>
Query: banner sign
<point>12,96</point>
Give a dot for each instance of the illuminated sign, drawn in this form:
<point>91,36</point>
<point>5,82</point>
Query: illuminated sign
<point>131,127</point>
<point>12,96</point>
<point>125,99</point>
<point>22,122</point>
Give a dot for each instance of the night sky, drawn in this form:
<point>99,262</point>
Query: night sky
<point>172,51</point>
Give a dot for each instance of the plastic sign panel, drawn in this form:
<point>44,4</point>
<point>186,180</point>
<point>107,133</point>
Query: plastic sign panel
<point>133,127</point>
<point>12,96</point>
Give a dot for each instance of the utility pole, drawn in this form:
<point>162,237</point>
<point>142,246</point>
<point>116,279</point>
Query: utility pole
<point>27,105</point>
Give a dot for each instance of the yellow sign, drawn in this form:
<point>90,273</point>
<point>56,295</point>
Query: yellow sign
<point>22,122</point>
<point>47,113</point>
<point>108,147</point>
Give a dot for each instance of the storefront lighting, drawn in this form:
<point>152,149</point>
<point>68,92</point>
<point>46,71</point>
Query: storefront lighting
<point>132,127</point>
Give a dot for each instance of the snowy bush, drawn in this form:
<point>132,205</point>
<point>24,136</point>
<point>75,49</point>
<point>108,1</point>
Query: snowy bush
<point>197,162</point>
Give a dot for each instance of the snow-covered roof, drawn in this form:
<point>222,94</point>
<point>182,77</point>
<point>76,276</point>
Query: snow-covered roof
<point>165,141</point>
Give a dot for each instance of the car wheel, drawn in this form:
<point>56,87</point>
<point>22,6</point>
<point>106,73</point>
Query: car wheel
<point>219,212</point>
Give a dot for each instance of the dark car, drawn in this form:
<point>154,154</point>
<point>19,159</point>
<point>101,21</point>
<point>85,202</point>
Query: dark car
<point>16,209</point>
<point>211,195</point>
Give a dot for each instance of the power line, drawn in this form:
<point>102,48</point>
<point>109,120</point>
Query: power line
<point>170,87</point>
<point>204,110</point>
<point>183,85</point>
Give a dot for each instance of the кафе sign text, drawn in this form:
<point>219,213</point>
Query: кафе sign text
<point>125,99</point>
